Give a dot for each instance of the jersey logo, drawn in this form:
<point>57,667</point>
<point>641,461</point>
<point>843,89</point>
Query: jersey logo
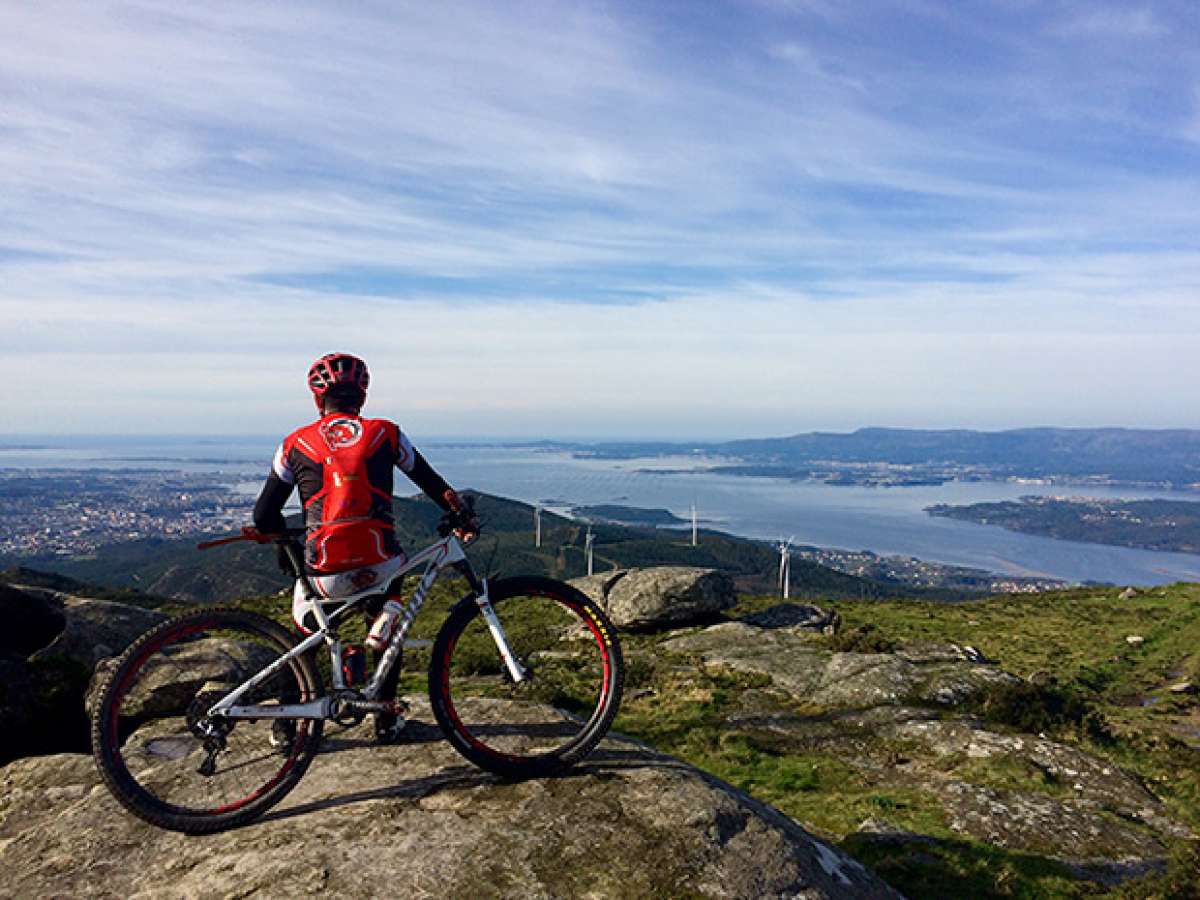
<point>339,433</point>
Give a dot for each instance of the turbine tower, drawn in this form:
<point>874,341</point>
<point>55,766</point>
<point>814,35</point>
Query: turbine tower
<point>537,525</point>
<point>785,566</point>
<point>587,542</point>
<point>694,541</point>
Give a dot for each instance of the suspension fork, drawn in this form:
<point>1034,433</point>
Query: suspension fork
<point>479,588</point>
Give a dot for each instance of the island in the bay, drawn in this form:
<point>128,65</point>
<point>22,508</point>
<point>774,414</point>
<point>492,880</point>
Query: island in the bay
<point>627,515</point>
<point>1170,525</point>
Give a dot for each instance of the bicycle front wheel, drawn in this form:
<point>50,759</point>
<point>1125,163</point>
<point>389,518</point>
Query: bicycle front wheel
<point>553,718</point>
<point>171,764</point>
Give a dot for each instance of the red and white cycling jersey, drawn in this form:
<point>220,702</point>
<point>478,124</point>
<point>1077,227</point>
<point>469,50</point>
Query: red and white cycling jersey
<point>342,465</point>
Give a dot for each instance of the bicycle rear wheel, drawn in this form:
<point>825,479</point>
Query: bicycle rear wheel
<point>161,755</point>
<point>552,720</point>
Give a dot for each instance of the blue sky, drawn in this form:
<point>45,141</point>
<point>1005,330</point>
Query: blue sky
<point>572,219</point>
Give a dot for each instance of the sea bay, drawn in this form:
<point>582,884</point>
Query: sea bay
<point>884,520</point>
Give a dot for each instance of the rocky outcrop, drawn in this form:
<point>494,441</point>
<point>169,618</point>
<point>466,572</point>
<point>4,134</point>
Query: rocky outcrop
<point>662,596</point>
<point>414,820</point>
<point>804,668</point>
<point>801,616</point>
<point>896,718</point>
<point>47,659</point>
<point>83,629</point>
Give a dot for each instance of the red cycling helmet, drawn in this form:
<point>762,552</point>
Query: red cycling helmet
<point>337,368</point>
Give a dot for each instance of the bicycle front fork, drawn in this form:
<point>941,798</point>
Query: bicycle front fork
<point>518,672</point>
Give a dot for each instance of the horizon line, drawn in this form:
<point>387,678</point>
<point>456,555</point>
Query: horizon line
<point>516,441</point>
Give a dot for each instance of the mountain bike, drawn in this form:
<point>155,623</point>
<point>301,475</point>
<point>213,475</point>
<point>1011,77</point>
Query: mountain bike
<point>211,718</point>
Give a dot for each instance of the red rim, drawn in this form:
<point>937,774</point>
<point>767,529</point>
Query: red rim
<point>598,711</point>
<point>122,771</point>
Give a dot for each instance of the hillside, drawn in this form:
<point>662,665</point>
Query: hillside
<point>57,582</point>
<point>174,568</point>
<point>1040,746</point>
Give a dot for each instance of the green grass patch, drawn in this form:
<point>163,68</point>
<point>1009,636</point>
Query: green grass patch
<point>1063,634</point>
<point>953,869</point>
<point>1009,772</point>
<point>1043,709</point>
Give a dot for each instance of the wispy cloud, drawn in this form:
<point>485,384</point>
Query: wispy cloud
<point>607,189</point>
<point>1118,22</point>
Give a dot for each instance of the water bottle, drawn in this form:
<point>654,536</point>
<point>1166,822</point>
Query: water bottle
<point>354,665</point>
<point>385,624</point>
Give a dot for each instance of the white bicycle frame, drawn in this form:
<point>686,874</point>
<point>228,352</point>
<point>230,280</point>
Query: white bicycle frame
<point>445,552</point>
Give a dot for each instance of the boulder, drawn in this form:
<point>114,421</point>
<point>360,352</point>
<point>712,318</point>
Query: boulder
<point>660,597</point>
<point>47,661</point>
<point>96,629</point>
<point>414,820</point>
<point>170,679</point>
<point>598,586</point>
<point>1093,782</point>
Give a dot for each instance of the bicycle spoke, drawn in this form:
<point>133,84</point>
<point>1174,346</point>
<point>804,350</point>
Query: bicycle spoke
<point>161,752</point>
<point>552,717</point>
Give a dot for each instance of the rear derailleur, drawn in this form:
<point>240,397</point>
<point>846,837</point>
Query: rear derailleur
<point>210,730</point>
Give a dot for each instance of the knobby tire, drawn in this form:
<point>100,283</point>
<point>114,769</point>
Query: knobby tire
<point>139,708</point>
<point>550,723</point>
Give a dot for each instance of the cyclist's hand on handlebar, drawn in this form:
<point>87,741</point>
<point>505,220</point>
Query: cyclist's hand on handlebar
<point>462,518</point>
<point>468,530</point>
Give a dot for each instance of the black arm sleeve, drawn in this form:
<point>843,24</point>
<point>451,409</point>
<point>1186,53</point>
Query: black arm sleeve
<point>268,510</point>
<point>423,476</point>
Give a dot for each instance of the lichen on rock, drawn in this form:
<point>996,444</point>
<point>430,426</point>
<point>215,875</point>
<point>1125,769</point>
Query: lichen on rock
<point>413,820</point>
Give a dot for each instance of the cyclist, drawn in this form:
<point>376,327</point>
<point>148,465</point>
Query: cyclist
<point>342,465</point>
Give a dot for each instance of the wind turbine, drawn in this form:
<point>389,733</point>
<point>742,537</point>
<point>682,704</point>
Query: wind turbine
<point>785,565</point>
<point>587,542</point>
<point>694,541</point>
<point>537,525</point>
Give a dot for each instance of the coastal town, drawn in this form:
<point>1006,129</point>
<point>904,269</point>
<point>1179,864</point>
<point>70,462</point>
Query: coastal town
<point>74,512</point>
<point>925,573</point>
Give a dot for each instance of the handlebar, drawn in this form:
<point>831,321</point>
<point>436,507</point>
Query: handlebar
<point>250,533</point>
<point>449,522</point>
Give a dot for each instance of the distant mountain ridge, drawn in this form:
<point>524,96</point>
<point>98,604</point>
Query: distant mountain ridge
<point>1170,456</point>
